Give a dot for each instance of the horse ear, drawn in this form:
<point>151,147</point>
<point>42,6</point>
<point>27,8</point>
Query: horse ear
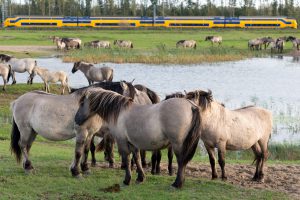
<point>124,85</point>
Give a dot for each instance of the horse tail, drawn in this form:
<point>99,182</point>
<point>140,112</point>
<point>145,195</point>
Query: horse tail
<point>131,45</point>
<point>111,76</point>
<point>190,143</point>
<point>14,142</point>
<point>195,46</point>
<point>9,73</point>
<point>100,146</point>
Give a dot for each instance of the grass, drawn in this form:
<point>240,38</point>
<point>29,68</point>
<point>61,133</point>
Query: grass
<point>52,180</point>
<point>150,46</point>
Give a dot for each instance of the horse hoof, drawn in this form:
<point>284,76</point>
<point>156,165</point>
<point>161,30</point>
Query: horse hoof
<point>126,182</point>
<point>176,185</point>
<point>78,176</point>
<point>224,178</point>
<point>93,164</point>
<point>111,165</point>
<point>29,171</point>
<point>87,172</point>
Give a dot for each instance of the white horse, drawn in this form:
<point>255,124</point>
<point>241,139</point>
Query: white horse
<point>240,129</point>
<point>5,72</point>
<point>52,77</point>
<point>123,43</point>
<point>20,66</point>
<point>59,43</point>
<point>94,74</point>
<point>214,39</point>
<point>98,44</point>
<point>186,44</point>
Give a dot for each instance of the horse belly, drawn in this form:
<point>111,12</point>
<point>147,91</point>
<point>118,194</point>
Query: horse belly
<point>241,142</point>
<point>54,123</point>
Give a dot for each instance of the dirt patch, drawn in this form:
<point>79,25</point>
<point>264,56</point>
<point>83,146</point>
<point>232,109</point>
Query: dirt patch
<point>113,188</point>
<point>279,177</point>
<point>29,49</point>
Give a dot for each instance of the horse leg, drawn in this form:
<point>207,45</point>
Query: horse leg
<point>4,85</point>
<point>92,149</point>
<point>158,159</point>
<point>109,149</point>
<point>137,159</point>
<point>221,159</point>
<point>211,154</point>
<point>170,158</point>
<point>180,172</point>
<point>264,155</point>
<point>153,161</point>
<point>79,147</point>
<point>63,87</point>
<point>25,143</point>
<point>143,158</point>
<point>126,161</point>
<point>14,78</point>
<point>257,152</point>
<point>84,165</point>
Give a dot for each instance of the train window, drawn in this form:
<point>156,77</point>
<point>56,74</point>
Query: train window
<point>38,24</point>
<point>114,24</point>
<point>272,25</point>
<point>189,24</point>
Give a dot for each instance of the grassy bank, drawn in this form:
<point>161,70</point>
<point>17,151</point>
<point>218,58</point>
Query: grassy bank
<point>52,180</point>
<point>150,46</point>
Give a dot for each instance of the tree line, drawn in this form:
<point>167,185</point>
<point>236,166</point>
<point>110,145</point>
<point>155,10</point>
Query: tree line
<point>229,8</point>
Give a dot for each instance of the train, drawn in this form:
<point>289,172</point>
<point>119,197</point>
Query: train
<point>167,22</point>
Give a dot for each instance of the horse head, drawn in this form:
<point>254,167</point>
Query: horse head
<point>115,42</point>
<point>107,104</point>
<point>128,89</point>
<point>290,38</point>
<point>208,38</point>
<point>201,98</point>
<point>76,66</point>
<point>5,58</point>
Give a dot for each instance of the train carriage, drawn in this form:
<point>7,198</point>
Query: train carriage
<point>168,22</point>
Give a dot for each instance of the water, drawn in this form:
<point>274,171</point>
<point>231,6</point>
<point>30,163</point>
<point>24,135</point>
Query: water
<point>269,82</point>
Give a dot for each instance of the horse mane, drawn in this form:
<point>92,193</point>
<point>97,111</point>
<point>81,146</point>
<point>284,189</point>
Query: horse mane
<point>113,86</point>
<point>107,104</point>
<point>204,98</point>
<point>151,94</point>
<point>175,95</point>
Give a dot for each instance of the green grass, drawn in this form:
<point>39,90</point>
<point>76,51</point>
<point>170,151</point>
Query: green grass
<point>151,46</point>
<point>52,180</point>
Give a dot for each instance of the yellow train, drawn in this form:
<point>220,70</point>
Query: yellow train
<point>168,22</point>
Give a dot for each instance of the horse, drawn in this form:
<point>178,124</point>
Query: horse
<point>59,43</point>
<point>20,66</point>
<point>156,155</point>
<point>255,44</point>
<point>5,72</point>
<point>52,77</point>
<point>295,41</point>
<point>186,44</point>
<point>279,44</point>
<point>93,74</point>
<point>52,117</point>
<point>65,39</point>
<point>71,44</point>
<point>174,121</point>
<point>240,129</point>
<point>214,39</point>
<point>266,41</point>
<point>144,96</point>
<point>123,43</point>
<point>98,44</point>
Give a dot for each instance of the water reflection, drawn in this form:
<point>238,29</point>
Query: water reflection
<point>271,83</point>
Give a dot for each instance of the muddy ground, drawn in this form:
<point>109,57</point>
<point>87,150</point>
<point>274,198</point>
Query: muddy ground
<point>279,177</point>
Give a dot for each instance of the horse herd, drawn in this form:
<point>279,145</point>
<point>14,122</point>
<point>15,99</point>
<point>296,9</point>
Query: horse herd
<point>134,117</point>
<point>275,44</point>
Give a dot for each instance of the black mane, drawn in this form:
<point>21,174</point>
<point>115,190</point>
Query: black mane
<point>113,86</point>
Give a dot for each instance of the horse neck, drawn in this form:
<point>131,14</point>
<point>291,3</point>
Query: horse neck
<point>84,67</point>
<point>214,113</point>
<point>41,71</point>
